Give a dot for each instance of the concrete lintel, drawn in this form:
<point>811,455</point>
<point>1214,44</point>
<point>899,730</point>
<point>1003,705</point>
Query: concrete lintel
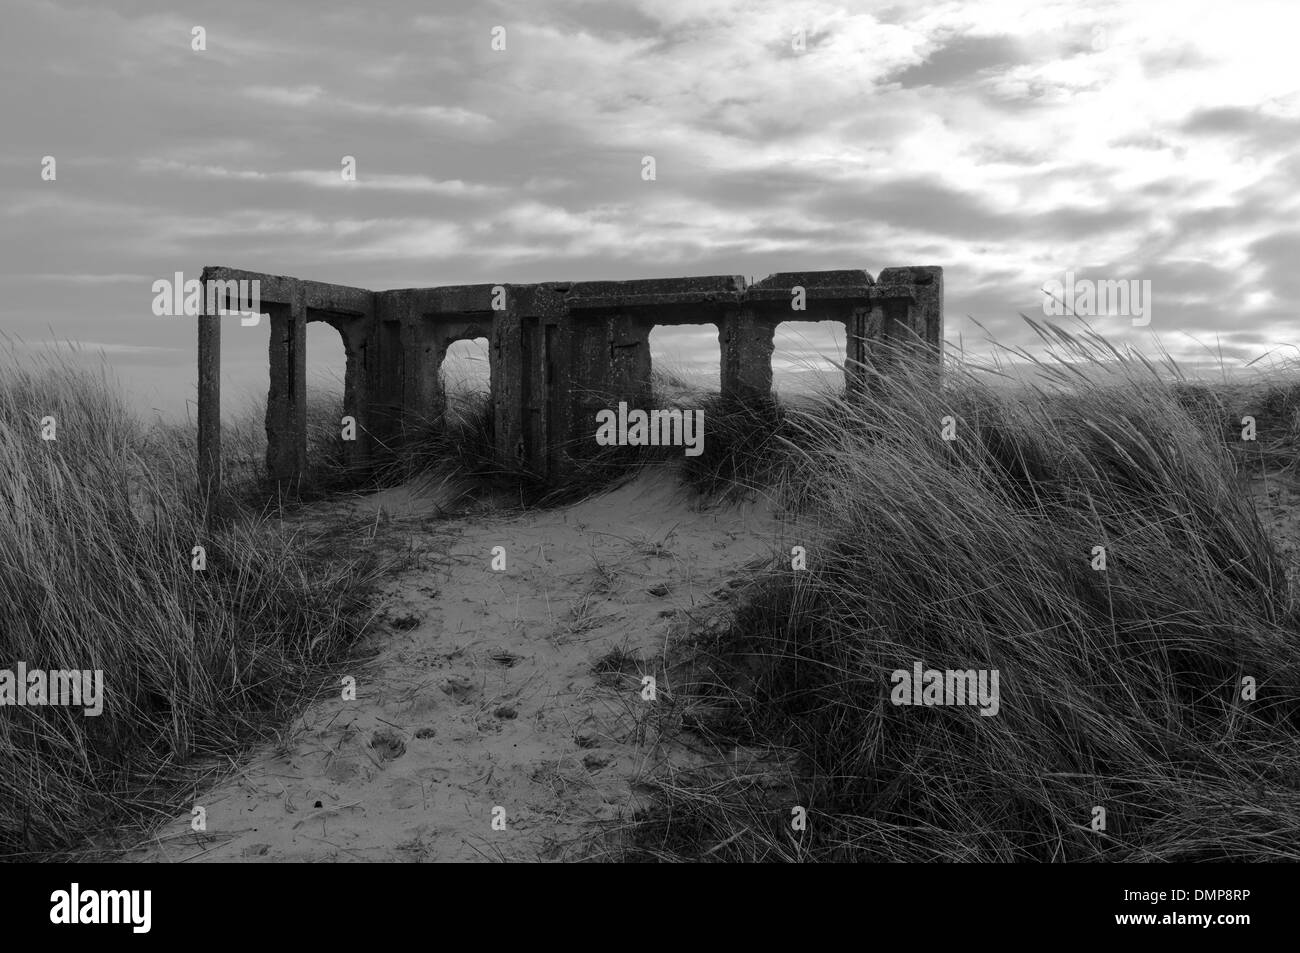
<point>280,289</point>
<point>621,302</point>
<point>705,284</point>
<point>811,293</point>
<point>894,291</point>
<point>468,299</point>
<point>848,278</point>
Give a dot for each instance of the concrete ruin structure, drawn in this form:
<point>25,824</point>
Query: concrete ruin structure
<point>558,352</point>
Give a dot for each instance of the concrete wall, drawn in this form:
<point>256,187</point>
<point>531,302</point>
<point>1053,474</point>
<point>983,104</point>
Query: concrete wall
<point>558,352</point>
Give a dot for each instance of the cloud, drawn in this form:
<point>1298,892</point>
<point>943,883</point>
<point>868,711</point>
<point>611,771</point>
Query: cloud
<point>327,179</point>
<point>308,98</point>
<point>963,58</point>
<point>85,278</point>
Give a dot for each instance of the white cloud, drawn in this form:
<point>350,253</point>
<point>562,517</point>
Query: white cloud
<point>327,178</point>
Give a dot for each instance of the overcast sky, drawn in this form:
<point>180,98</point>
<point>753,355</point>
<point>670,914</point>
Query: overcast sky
<point>1009,142</point>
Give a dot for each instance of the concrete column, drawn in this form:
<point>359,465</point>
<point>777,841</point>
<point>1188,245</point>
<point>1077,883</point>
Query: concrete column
<point>209,410</point>
<point>746,345</point>
<point>548,420</point>
<point>862,327</point>
<point>629,362</point>
<point>286,401</point>
<point>356,390</point>
<point>925,316</point>
<point>506,384</point>
<point>528,347</point>
<point>386,372</point>
<point>422,352</point>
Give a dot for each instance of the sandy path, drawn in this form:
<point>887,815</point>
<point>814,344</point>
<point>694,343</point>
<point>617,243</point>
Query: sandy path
<point>488,689</point>
<point>1277,500</point>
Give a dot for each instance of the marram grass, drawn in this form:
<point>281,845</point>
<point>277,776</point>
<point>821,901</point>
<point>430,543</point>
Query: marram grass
<point>97,531</point>
<point>1162,690</point>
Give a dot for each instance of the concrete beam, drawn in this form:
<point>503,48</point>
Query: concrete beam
<point>280,289</point>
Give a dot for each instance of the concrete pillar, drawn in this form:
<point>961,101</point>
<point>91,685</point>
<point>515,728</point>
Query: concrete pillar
<point>584,353</point>
<point>861,329</point>
<point>422,352</point>
<point>746,345</point>
<point>505,384</point>
<point>433,387</point>
<point>286,401</point>
<point>356,389</point>
<point>629,362</point>
<point>549,370</point>
<point>209,412</point>
<point>924,318</point>
<point>386,370</point>
<point>529,371</point>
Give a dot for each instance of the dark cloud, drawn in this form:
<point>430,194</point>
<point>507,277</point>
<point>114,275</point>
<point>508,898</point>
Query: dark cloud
<point>1279,254</point>
<point>927,206</point>
<point>609,19</point>
<point>1253,127</point>
<point>1182,57</point>
<point>963,58</point>
<point>1004,153</point>
<point>1149,142</point>
<point>1222,119</point>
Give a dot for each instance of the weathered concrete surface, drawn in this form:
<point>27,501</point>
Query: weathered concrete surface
<point>209,410</point>
<point>746,342</point>
<point>286,400</point>
<point>558,351</point>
